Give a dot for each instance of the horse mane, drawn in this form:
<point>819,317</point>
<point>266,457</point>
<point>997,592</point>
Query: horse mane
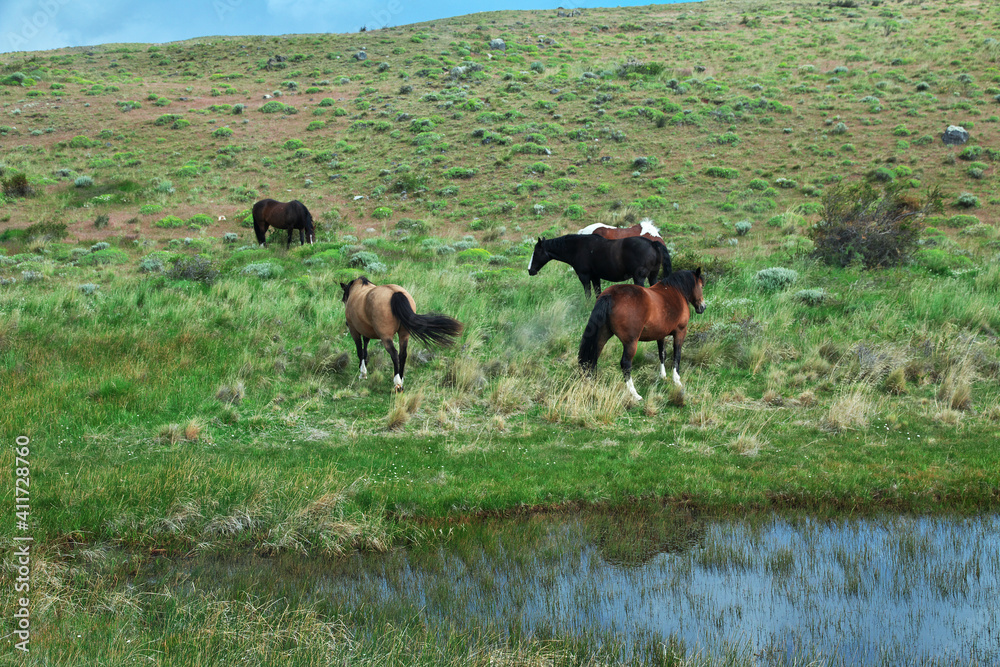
<point>648,227</point>
<point>562,243</point>
<point>683,281</point>
<point>364,280</point>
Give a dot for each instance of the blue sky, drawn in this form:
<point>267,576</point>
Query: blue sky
<point>34,25</point>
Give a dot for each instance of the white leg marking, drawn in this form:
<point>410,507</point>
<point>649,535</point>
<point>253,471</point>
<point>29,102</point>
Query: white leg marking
<point>364,372</point>
<point>631,389</point>
<point>663,372</point>
<point>677,378</point>
<point>397,382</point>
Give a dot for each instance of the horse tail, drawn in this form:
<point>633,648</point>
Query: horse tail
<point>259,226</point>
<point>665,267</point>
<point>432,328</point>
<point>589,346</point>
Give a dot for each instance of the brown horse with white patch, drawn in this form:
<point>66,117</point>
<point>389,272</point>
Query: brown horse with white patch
<point>382,311</point>
<point>634,313</point>
<point>646,229</point>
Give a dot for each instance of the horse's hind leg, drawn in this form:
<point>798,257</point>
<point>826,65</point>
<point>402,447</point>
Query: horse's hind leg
<point>397,377</point>
<point>628,353</point>
<point>404,341</point>
<point>288,243</point>
<point>362,345</point>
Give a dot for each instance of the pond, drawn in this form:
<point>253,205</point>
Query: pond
<point>628,586</point>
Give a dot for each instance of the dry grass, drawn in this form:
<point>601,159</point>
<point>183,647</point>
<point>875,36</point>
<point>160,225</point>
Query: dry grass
<point>402,407</point>
<point>851,411</point>
<point>588,401</point>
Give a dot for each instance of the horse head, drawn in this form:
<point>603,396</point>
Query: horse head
<point>697,298</point>
<point>310,229</point>
<point>347,286</point>
<point>539,257</point>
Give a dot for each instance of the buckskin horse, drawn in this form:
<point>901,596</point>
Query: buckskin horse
<point>634,313</point>
<point>383,311</point>
<point>283,215</point>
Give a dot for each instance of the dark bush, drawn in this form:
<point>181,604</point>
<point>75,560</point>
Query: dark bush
<point>198,268</point>
<point>878,225</point>
<point>17,186</point>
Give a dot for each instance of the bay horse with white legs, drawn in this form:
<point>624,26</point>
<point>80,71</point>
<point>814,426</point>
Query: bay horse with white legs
<point>634,313</point>
<point>646,229</point>
<point>283,215</point>
<point>382,311</point>
<point>595,258</point>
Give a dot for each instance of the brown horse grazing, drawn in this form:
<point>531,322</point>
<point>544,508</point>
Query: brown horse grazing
<point>283,215</point>
<point>382,311</point>
<point>634,313</point>
<point>645,229</point>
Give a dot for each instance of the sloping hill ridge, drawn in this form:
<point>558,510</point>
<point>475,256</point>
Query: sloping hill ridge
<point>696,115</point>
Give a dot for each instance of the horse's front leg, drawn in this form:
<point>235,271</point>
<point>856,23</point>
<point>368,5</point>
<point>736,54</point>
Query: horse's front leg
<point>628,352</point>
<point>397,377</point>
<point>597,287</point>
<point>661,348</point>
<point>288,243</point>
<point>302,236</point>
<point>678,341</point>
<point>585,279</point>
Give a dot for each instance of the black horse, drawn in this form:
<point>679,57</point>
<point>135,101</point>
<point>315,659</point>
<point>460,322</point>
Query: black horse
<point>283,215</point>
<point>595,258</point>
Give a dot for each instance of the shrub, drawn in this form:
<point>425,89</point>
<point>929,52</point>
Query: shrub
<point>459,172</point>
<point>88,288</point>
<point>274,106</point>
<point>967,200</point>
<point>83,182</point>
<point>262,270</point>
<point>878,226</point>
<point>222,133</point>
<point>198,269</point>
<point>230,237</point>
<point>103,257</point>
<point>743,227</point>
<point>152,263</point>
<point>316,125</point>
<point>941,262</point>
<point>367,260</point>
<point>722,172</point>
<point>811,297</point>
<point>382,212</point>
<point>169,222</point>
<point>200,219</point>
<point>150,209</point>
<point>960,221</point>
<point>575,212</point>
<point>775,278</point>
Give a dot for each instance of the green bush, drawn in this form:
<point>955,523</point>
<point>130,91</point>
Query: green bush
<point>167,119</point>
<point>941,262</point>
<point>775,278</point>
<point>200,219</point>
<point>473,255</point>
<point>222,133</point>
<point>960,221</point>
<point>150,209</point>
<point>382,212</point>
<point>722,172</point>
<point>575,212</point>
<point>459,172</point>
<point>103,257</point>
<point>274,106</point>
<point>169,222</point>
<point>83,182</point>
<point>262,270</point>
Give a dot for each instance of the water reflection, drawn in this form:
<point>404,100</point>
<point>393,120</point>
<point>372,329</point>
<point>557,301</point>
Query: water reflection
<point>897,590</point>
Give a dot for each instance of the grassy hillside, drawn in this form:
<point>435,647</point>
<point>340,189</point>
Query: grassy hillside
<point>186,392</point>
